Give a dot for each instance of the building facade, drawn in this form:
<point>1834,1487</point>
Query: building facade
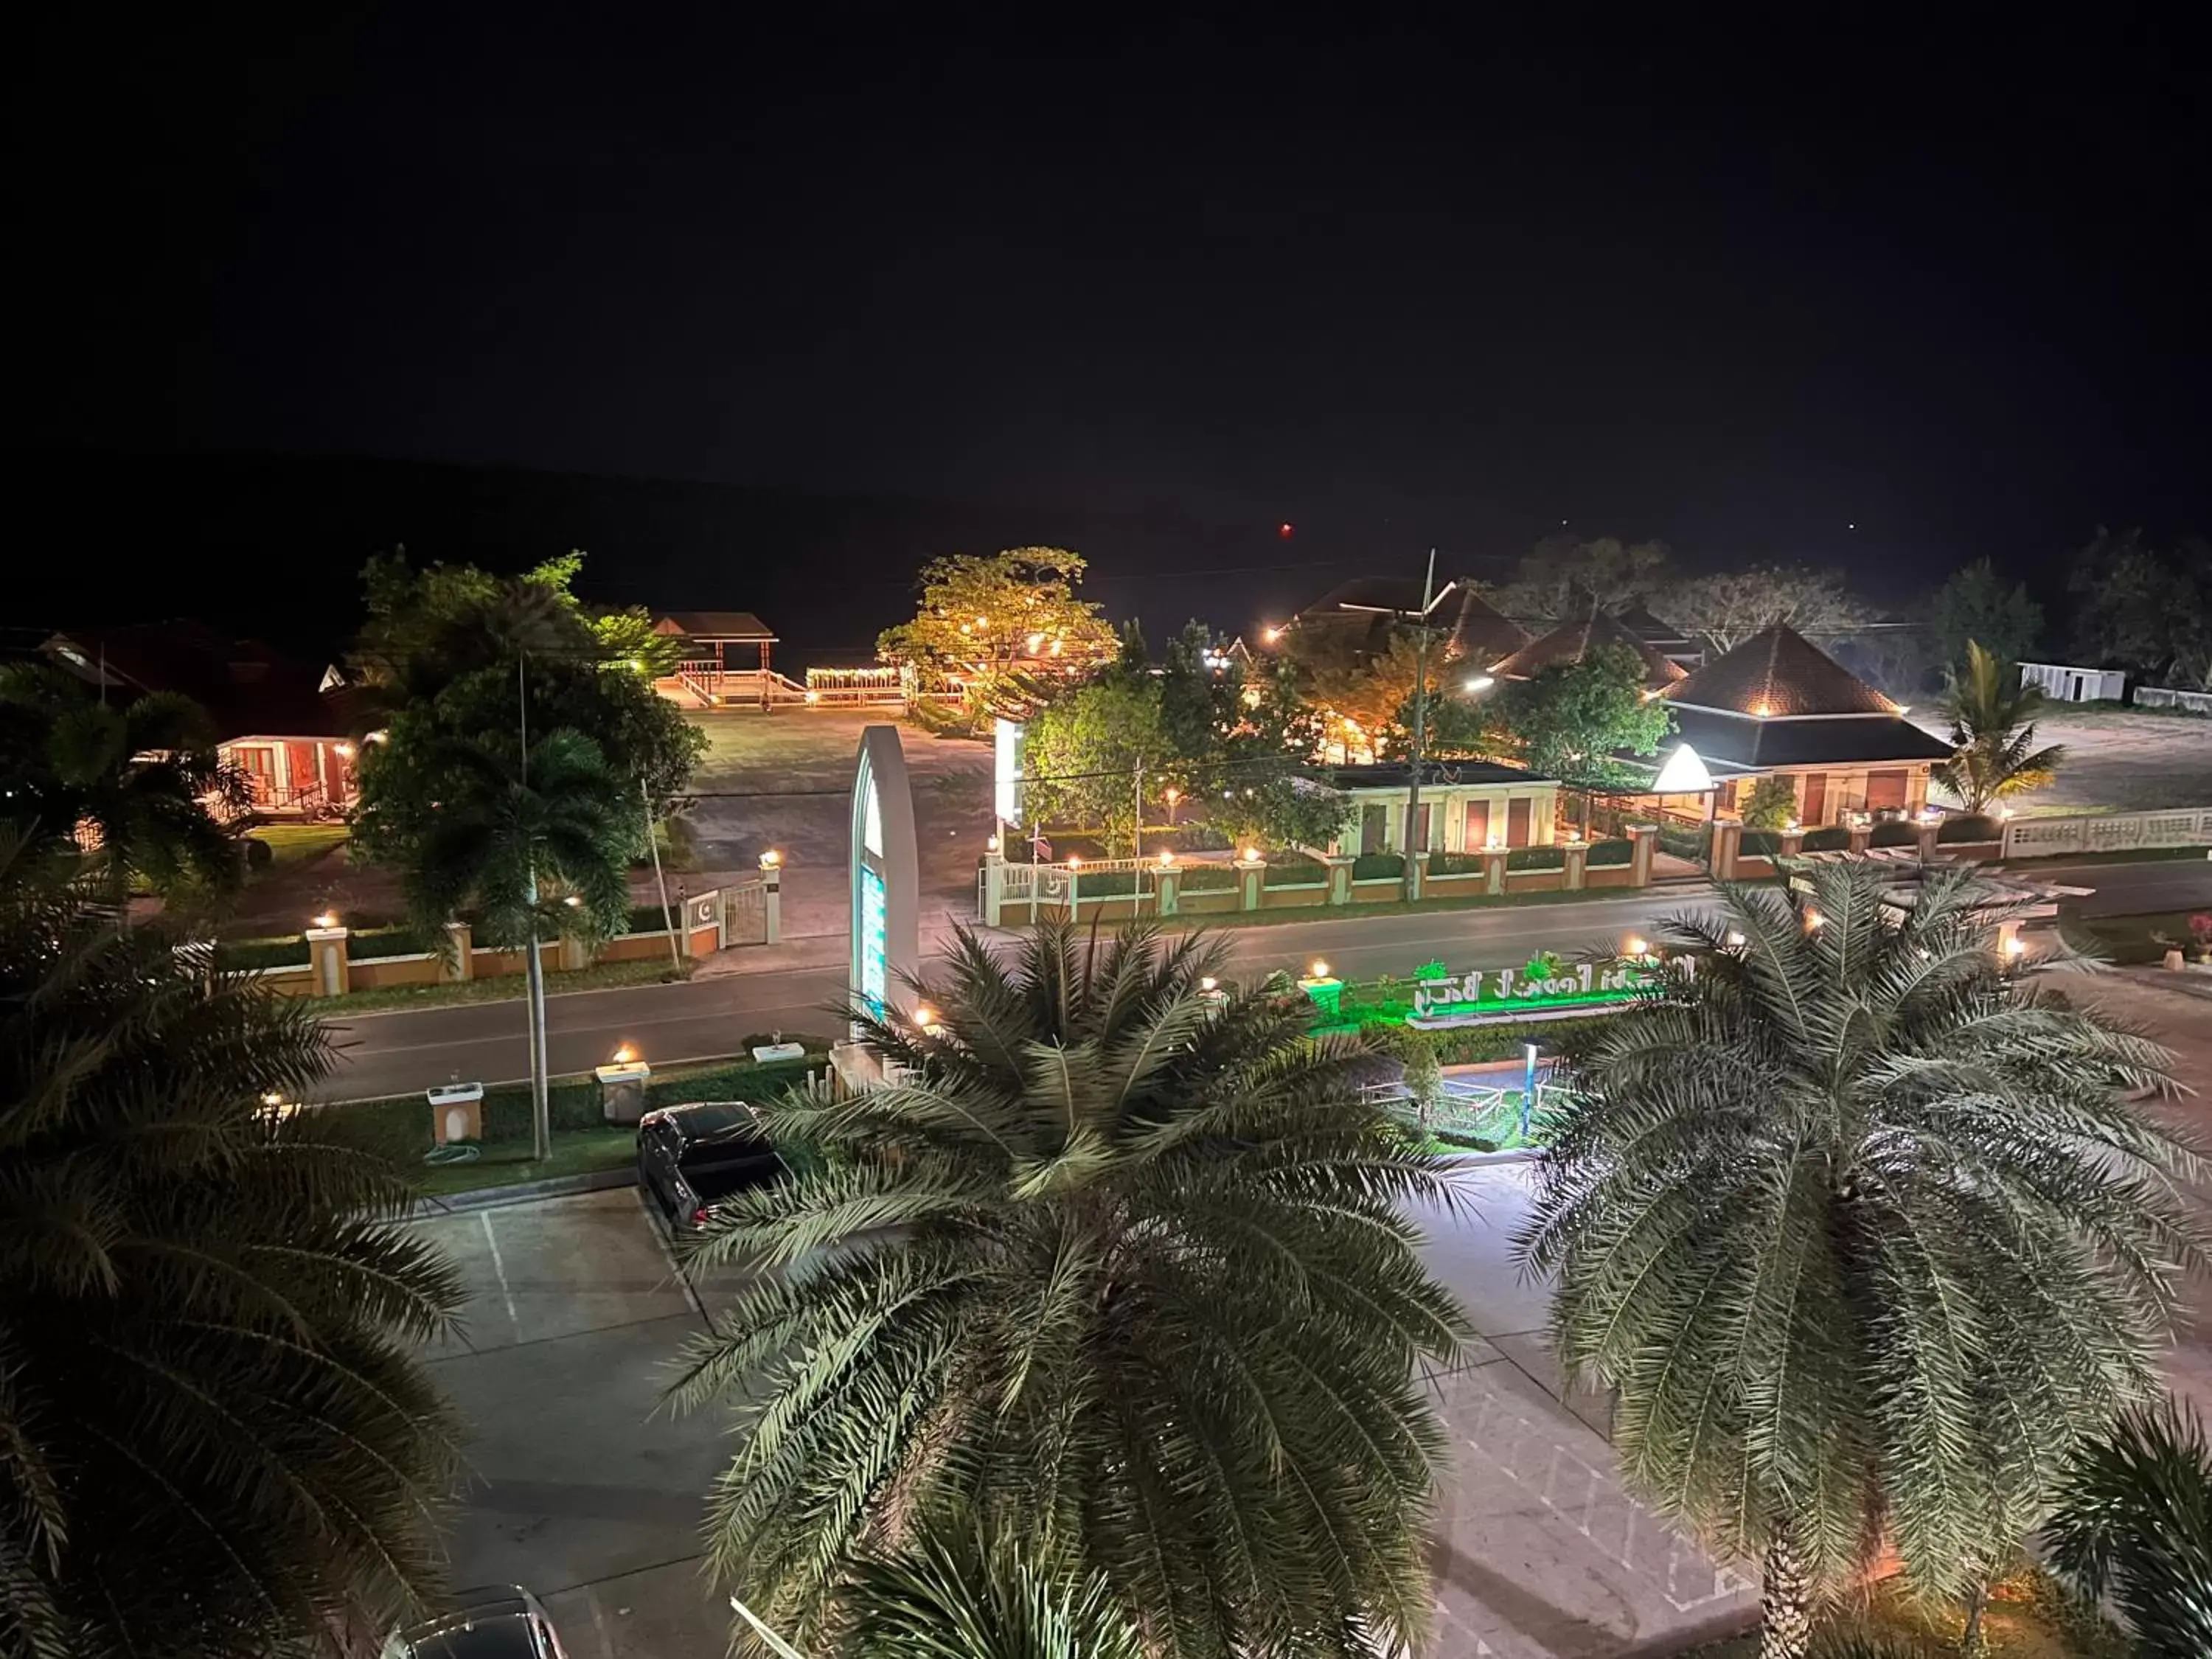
<point>2067,682</point>
<point>1465,807</point>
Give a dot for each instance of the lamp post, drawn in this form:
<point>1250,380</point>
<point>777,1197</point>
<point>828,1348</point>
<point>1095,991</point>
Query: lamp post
<point>1412,878</point>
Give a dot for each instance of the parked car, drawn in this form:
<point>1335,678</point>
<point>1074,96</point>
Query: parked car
<point>689,1155</point>
<point>498,1621</point>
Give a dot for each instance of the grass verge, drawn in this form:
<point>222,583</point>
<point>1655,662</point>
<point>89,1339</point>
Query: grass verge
<point>507,988</point>
<point>296,844</point>
<point>2132,855</point>
<point>1427,907</point>
<point>506,1163</point>
<point>2132,940</point>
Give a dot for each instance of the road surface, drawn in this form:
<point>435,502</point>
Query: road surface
<point>398,1053</point>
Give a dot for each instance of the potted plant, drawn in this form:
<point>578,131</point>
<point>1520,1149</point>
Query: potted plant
<point>2200,934</point>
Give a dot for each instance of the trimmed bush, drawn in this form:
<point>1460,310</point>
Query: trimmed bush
<point>1293,870</point>
<point>1760,843</point>
<point>364,942</point>
<point>651,919</point>
<point>1111,884</point>
<point>245,955</point>
<point>259,854</point>
<point>1893,832</point>
<point>1378,867</point>
<point>1833,838</point>
<point>1536,857</point>
<point>1472,1045</point>
<point>1455,864</point>
<point>1968,826</point>
<point>1604,853</point>
<point>1208,879</point>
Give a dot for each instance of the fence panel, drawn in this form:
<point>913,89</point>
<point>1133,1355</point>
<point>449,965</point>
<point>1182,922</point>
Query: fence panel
<point>2115,832</point>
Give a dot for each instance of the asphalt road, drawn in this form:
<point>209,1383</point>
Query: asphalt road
<point>398,1053</point>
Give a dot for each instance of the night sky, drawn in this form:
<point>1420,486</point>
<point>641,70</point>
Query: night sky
<point>1169,284</point>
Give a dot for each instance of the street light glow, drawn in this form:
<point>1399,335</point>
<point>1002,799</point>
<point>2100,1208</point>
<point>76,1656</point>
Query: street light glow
<point>1481,683</point>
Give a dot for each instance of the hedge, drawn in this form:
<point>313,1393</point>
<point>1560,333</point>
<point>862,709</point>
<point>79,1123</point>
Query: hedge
<point>1381,866</point>
<point>1611,852</point>
<point>1292,869</point>
<point>1536,857</point>
<point>1110,883</point>
<point>1832,838</point>
<point>1759,843</point>
<point>400,1125</point>
<point>1208,879</point>
<point>363,942</point>
<point>1456,864</point>
<point>245,955</point>
<point>1470,1045</point>
<point>652,918</point>
<point>1969,826</point>
<point>1893,832</point>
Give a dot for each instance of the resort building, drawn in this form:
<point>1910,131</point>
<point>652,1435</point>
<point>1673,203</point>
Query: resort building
<point>1573,641</point>
<point>1465,806</point>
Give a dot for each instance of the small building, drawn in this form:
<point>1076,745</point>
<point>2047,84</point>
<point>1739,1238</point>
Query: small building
<point>1573,641</point>
<point>1465,806</point>
<point>1778,706</point>
<point>282,723</point>
<point>2066,683</point>
<point>724,639</point>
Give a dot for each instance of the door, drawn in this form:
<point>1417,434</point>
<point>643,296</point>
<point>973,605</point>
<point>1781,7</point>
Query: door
<point>1374,820</point>
<point>1419,838</point>
<point>1517,822</point>
<point>1816,800</point>
<point>2077,689</point>
<point>1477,834</point>
<point>260,762</point>
<point>1884,791</point>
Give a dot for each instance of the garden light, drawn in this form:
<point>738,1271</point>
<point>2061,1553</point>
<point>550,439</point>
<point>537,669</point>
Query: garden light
<point>1271,634</point>
<point>924,1016</point>
<point>1167,860</point>
<point>1318,970</point>
<point>624,1055</point>
<point>2015,946</point>
<point>1480,683</point>
<point>345,750</point>
<point>771,860</point>
<point>1208,983</point>
<point>575,902</point>
<point>1251,855</point>
<point>328,919</point>
<point>1636,947</point>
<point>991,845</point>
<point>1813,920</point>
<point>1073,862</point>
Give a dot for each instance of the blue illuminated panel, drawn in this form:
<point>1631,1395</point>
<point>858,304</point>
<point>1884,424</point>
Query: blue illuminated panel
<point>873,947</point>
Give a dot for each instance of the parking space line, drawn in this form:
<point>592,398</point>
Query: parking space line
<point>676,1268</point>
<point>499,1267</point>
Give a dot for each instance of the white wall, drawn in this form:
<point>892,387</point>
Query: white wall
<point>2066,683</point>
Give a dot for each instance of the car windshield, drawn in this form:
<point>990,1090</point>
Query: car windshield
<point>716,1124</point>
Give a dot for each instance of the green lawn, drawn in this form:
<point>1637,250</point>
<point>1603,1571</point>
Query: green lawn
<point>2131,940</point>
<point>505,988</point>
<point>296,844</point>
<point>500,1164</point>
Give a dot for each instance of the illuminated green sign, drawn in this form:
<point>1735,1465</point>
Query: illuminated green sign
<point>1542,984</point>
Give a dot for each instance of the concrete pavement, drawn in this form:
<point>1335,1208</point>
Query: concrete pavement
<point>794,986</point>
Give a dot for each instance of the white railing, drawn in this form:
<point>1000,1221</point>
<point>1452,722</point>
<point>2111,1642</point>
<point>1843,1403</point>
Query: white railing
<point>2168,696</point>
<point>2115,832</point>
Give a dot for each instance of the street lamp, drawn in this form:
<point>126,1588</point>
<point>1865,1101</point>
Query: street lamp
<point>1480,683</point>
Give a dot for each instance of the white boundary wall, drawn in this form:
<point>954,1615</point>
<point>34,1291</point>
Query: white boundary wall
<point>2115,832</point>
<point>2167,697</point>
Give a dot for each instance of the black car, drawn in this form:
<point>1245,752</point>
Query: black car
<point>501,1621</point>
<point>689,1155</point>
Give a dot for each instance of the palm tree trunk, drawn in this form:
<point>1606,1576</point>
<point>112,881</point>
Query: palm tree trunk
<point>1785,1600</point>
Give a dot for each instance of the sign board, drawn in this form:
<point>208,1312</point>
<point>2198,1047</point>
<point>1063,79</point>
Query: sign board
<point>1544,984</point>
<point>1006,770</point>
<point>886,948</point>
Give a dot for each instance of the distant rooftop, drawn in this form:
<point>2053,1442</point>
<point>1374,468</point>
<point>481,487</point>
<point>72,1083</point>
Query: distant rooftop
<point>245,687</point>
<point>1398,596</point>
<point>731,626</point>
<point>1573,641</point>
<point>1397,775</point>
<point>1777,673</point>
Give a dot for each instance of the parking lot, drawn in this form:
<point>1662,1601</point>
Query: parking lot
<point>586,1489</point>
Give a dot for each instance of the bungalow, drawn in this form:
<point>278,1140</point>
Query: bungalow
<point>1573,641</point>
<point>283,724</point>
<point>1777,705</point>
<point>1471,627</point>
<point>1465,806</point>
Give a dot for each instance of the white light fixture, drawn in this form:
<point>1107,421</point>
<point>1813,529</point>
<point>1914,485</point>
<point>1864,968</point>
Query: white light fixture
<point>771,860</point>
<point>1481,683</point>
<point>1682,773</point>
<point>1318,970</point>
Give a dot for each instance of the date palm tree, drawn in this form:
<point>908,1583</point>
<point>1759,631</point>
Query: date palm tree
<point>1993,734</point>
<point>1856,1221</point>
<point>2134,1524</point>
<point>214,1437</point>
<point>535,841</point>
<point>1114,1260</point>
<point>139,784</point>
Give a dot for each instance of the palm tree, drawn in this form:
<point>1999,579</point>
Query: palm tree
<point>1993,732</point>
<point>1110,1258</point>
<point>2134,1523</point>
<point>1853,1219</point>
<point>215,1438</point>
<point>537,843</point>
<point>139,784</point>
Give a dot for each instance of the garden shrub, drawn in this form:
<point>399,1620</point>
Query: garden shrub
<point>259,854</point>
<point>1378,867</point>
<point>1968,826</point>
<point>1208,879</point>
<point>1455,864</point>
<point>245,955</point>
<point>1832,838</point>
<point>1292,870</point>
<point>651,919</point>
<point>366,942</point>
<point>1603,853</point>
<point>1536,857</point>
<point>1110,883</point>
<point>1893,832</point>
<point>1760,843</point>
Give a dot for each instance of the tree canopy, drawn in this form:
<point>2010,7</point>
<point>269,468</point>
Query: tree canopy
<point>1569,720</point>
<point>452,654</point>
<point>1993,729</point>
<point>1727,609</point>
<point>1563,575</point>
<point>1976,604</point>
<point>994,624</point>
<point>2148,609</point>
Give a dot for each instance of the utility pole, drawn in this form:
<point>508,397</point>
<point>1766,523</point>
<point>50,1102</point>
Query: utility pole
<point>541,1116</point>
<point>1136,830</point>
<point>1420,727</point>
<point>659,879</point>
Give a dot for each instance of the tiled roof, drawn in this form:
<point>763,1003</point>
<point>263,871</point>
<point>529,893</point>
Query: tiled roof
<point>1573,641</point>
<point>712,625</point>
<point>247,689</point>
<point>1400,595</point>
<point>1395,775</point>
<point>1661,636</point>
<point>1482,633</point>
<point>1776,674</point>
<point>1854,740</point>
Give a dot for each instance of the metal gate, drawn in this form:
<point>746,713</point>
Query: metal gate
<point>745,915</point>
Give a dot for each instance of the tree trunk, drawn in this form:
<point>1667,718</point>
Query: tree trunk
<point>1785,1601</point>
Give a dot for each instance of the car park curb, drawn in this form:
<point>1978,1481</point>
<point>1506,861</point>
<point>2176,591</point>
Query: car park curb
<point>522,1192</point>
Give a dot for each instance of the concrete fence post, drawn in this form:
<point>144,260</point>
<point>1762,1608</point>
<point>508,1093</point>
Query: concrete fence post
<point>1339,877</point>
<point>460,962</point>
<point>1493,869</point>
<point>1861,829</point>
<point>772,904</point>
<point>1419,887</point>
<point>326,955</point>
<point>1642,839</point>
<point>1925,829</point>
<point>1793,843</point>
<point>1249,878</point>
<point>1167,890</point>
<point>1728,846</point>
<point>1578,865</point>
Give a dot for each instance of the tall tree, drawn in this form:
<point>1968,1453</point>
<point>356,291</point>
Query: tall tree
<point>438,660</point>
<point>2134,1526</point>
<point>1083,753</point>
<point>1572,720</point>
<point>1559,578</point>
<point>533,843</point>
<point>215,1437</point>
<point>1857,1223</point>
<point>1976,604</point>
<point>139,784</point>
<point>1993,730</point>
<point>1726,610</point>
<point>1118,1263</point>
<point>990,624</point>
<point>2146,609</point>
